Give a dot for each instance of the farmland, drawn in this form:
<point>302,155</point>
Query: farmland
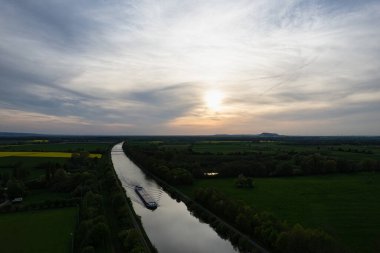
<point>38,231</point>
<point>50,226</point>
<point>339,204</point>
<point>52,198</point>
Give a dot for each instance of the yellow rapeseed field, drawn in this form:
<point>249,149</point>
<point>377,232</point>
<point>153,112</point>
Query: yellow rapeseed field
<point>43,154</point>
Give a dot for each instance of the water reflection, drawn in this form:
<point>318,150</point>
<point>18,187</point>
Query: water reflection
<point>171,227</point>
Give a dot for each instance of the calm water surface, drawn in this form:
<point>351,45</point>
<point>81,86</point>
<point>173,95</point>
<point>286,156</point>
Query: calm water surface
<point>171,227</point>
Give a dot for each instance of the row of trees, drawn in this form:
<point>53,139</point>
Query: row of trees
<point>171,174</point>
<point>16,173</point>
<point>47,204</point>
<point>166,161</point>
<point>175,176</point>
<point>265,227</point>
<point>104,200</point>
<point>93,231</point>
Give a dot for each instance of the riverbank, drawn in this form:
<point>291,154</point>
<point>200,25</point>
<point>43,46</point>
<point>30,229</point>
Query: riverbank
<point>165,225</point>
<point>136,222</point>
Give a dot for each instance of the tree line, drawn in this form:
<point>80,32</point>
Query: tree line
<point>171,164</point>
<point>105,218</point>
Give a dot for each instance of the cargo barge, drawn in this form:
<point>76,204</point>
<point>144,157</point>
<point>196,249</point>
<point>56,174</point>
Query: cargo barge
<point>146,198</point>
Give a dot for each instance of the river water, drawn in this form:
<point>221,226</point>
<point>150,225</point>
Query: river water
<point>171,227</point>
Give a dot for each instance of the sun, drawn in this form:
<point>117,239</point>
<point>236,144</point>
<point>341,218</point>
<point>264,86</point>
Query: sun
<point>213,99</point>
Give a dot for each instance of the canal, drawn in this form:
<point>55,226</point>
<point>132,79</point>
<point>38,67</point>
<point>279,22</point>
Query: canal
<point>171,227</point>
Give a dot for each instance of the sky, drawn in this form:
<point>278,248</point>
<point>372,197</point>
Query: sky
<point>174,67</point>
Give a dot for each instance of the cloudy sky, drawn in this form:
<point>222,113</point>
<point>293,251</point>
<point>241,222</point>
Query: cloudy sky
<point>190,66</point>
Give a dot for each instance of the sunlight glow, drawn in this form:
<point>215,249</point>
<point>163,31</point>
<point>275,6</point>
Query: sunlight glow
<point>213,99</point>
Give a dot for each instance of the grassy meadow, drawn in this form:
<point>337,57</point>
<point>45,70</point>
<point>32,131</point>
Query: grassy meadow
<point>346,206</point>
<point>38,231</point>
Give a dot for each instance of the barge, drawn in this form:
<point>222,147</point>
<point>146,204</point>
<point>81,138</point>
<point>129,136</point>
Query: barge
<point>145,198</point>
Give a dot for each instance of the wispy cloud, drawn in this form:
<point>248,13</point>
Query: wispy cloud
<point>143,66</point>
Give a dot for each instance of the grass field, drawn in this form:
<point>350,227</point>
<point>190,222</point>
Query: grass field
<point>42,154</point>
<point>346,206</point>
<point>57,147</point>
<point>37,232</point>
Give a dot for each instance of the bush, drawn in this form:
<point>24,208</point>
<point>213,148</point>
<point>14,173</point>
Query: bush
<point>131,239</point>
<point>99,234</point>
<point>88,249</point>
<point>300,240</point>
<point>15,189</point>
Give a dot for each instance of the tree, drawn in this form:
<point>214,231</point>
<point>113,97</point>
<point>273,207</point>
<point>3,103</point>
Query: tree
<point>243,222</point>
<point>131,239</point>
<point>138,249</point>
<point>284,169</point>
<point>4,177</point>
<point>60,175</point>
<point>99,233</point>
<point>15,189</point>
<point>19,172</point>
<point>88,249</point>
<point>300,240</point>
<point>330,166</point>
<point>243,182</point>
<point>369,164</point>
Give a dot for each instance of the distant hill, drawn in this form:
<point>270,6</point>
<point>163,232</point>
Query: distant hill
<point>269,135</point>
<point>250,135</point>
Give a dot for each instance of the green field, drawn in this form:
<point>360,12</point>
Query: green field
<point>40,231</point>
<point>346,206</point>
<point>58,147</point>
